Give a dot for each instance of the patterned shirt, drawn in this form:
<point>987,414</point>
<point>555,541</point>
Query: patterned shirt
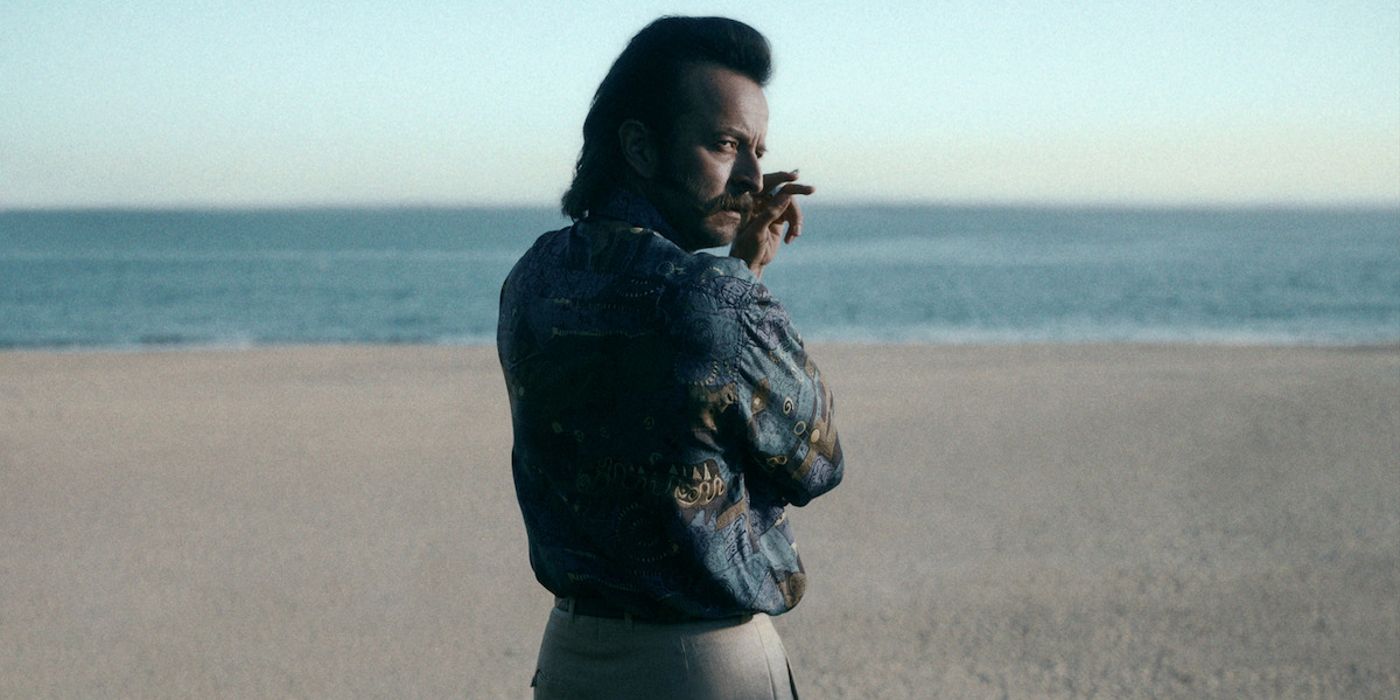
<point>665,412</point>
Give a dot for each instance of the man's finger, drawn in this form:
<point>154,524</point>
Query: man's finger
<point>791,188</point>
<point>772,180</point>
<point>776,208</point>
<point>794,218</point>
<point>782,197</point>
<point>772,209</point>
<point>782,206</point>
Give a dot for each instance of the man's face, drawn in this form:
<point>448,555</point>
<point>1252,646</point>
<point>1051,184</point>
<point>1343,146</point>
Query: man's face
<point>709,167</point>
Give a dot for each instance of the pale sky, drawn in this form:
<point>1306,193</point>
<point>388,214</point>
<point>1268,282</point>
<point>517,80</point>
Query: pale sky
<point>247,102</point>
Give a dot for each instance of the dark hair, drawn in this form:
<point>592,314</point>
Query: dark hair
<point>643,84</point>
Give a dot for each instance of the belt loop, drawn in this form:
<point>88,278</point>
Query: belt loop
<point>573,609</point>
<point>630,620</point>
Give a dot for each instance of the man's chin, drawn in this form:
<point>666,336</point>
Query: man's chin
<point>721,228</point>
<point>712,231</point>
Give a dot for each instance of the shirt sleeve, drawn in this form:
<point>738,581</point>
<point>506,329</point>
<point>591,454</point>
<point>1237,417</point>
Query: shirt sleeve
<point>760,388</point>
<point>786,408</point>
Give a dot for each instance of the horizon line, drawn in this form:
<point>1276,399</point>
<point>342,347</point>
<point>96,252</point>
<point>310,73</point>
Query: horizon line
<point>989,203</point>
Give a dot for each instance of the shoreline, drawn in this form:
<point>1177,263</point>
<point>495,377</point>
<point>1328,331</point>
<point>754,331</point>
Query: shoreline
<point>62,350</point>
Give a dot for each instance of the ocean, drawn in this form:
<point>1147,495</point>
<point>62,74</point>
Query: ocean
<point>127,279</point>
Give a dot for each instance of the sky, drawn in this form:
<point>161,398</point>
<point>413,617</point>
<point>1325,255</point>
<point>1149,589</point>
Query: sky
<point>296,103</point>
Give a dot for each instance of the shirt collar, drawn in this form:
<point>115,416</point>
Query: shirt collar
<point>626,205</point>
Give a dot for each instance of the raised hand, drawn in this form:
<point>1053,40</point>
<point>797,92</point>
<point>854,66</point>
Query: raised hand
<point>774,211</point>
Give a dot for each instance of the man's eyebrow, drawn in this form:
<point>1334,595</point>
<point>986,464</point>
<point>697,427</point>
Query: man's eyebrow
<point>742,136</point>
<point>733,131</point>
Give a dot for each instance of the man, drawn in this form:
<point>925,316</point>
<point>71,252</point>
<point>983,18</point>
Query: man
<point>664,409</point>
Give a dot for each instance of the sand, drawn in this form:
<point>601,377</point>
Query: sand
<point>1032,521</point>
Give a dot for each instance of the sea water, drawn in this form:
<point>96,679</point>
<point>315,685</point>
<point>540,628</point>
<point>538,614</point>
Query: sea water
<point>930,274</point>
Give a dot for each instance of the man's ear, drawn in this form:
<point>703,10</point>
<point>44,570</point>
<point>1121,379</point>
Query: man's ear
<point>638,147</point>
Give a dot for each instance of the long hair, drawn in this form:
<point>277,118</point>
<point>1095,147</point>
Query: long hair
<point>643,85</point>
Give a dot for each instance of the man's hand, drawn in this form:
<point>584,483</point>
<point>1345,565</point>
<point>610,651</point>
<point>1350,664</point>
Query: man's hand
<point>756,243</point>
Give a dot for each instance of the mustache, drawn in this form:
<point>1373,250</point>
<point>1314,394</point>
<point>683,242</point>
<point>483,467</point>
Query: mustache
<point>742,203</point>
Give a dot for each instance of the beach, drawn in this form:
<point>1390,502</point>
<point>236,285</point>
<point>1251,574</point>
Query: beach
<point>1061,520</point>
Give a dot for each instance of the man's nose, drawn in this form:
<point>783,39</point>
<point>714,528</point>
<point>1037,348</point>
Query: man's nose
<point>747,174</point>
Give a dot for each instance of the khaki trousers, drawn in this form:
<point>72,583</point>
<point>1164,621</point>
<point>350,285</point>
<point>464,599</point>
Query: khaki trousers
<point>584,657</point>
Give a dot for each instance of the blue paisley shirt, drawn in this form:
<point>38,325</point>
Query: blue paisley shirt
<point>664,412</point>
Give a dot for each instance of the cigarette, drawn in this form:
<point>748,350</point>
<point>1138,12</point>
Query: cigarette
<point>774,191</point>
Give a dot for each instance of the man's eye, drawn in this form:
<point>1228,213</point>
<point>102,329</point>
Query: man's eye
<point>728,145</point>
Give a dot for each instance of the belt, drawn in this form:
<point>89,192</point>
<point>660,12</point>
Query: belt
<point>597,607</point>
<point>592,607</point>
